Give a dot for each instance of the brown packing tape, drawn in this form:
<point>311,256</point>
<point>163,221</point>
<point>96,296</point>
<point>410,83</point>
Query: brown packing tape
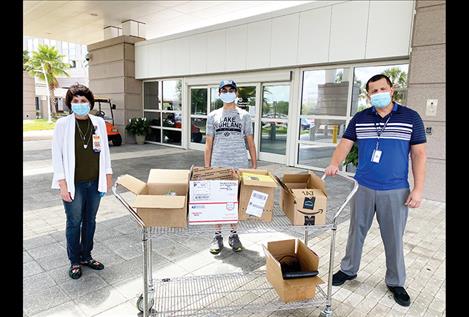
<point>203,173</point>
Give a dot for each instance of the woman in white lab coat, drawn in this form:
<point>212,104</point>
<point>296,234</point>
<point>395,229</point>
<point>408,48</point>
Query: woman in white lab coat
<point>82,173</point>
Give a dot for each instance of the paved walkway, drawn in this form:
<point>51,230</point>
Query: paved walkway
<point>48,291</point>
<point>37,135</point>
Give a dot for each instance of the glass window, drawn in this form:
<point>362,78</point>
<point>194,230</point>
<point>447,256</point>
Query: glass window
<point>172,94</point>
<point>198,126</point>
<point>65,48</point>
<point>397,74</point>
<point>274,118</point>
<point>153,118</point>
<point>316,155</point>
<point>247,99</point>
<point>325,134</point>
<point>154,135</point>
<point>172,120</point>
<point>150,95</point>
<point>215,101</point>
<point>321,130</point>
<point>275,102</point>
<point>199,101</point>
<point>83,50</point>
<point>172,137</point>
<point>72,50</point>
<point>325,92</point>
<point>274,137</point>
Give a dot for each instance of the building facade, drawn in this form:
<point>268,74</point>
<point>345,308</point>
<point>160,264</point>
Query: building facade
<point>301,73</point>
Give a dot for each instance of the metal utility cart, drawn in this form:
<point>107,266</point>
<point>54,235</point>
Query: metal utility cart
<point>232,293</point>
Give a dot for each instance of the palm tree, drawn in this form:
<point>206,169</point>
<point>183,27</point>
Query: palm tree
<point>46,64</point>
<point>398,78</point>
<point>25,59</point>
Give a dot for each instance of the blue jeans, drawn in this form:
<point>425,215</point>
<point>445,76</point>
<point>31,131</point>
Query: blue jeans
<point>81,221</point>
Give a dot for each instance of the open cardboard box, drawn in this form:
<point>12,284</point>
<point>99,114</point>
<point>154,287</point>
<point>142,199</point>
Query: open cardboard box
<point>213,196</point>
<point>290,290</point>
<point>256,195</point>
<point>303,198</point>
<point>162,200</point>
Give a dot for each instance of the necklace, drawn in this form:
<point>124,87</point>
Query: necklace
<point>83,135</point>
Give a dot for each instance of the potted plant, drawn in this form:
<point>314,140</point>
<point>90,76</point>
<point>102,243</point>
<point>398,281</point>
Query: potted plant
<point>138,127</point>
<point>352,158</point>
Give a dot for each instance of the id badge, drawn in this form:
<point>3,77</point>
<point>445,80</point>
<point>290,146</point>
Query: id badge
<point>96,143</point>
<point>376,156</point>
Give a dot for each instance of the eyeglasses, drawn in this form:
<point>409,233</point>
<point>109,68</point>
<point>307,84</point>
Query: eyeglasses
<point>224,90</point>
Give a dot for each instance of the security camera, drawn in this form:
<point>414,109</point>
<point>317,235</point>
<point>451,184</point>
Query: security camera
<point>88,57</point>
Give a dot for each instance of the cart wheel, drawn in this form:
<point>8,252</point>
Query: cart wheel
<point>326,313</point>
<point>140,303</point>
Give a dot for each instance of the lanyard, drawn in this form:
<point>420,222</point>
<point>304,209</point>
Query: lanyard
<point>379,132</point>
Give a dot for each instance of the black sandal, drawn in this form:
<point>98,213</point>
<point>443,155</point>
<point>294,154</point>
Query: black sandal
<point>75,271</point>
<point>95,265</point>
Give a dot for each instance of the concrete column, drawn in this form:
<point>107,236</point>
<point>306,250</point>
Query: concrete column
<point>29,94</point>
<point>111,31</point>
<point>427,73</point>
<point>112,75</point>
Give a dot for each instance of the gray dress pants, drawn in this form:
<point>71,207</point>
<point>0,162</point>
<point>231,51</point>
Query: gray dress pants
<point>391,214</point>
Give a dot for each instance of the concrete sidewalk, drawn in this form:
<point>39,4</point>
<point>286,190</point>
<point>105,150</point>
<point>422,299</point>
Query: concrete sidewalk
<point>38,135</point>
<point>48,291</point>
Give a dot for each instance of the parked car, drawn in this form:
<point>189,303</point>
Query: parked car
<point>306,123</point>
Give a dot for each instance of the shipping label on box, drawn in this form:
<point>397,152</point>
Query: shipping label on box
<point>213,201</point>
<point>256,203</point>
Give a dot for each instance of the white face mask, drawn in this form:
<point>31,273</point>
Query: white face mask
<point>228,97</point>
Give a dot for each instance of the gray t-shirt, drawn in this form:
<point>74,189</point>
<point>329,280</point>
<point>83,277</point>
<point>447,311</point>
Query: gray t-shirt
<point>229,129</point>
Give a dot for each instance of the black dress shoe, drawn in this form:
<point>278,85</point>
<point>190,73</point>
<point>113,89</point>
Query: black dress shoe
<point>340,277</point>
<point>400,295</point>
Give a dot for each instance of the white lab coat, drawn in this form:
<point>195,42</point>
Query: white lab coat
<point>63,153</point>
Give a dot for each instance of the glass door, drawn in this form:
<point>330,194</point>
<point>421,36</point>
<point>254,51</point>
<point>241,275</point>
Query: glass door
<point>163,109</point>
<point>323,115</point>
<point>247,100</point>
<point>274,122</point>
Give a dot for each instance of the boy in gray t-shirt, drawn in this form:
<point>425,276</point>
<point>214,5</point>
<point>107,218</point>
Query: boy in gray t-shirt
<point>228,130</point>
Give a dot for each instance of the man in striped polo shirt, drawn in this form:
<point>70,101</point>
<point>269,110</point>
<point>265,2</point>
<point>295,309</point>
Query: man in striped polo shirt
<point>385,134</point>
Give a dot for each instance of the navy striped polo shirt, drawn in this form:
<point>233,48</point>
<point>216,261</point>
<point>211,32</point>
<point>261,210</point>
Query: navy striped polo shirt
<point>404,128</point>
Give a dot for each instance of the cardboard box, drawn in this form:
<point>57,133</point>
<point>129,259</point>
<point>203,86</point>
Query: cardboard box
<point>208,173</point>
<point>213,196</point>
<point>303,198</point>
<point>292,289</point>
<point>256,195</point>
<point>162,200</point>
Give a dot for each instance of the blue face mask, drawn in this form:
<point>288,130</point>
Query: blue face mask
<point>228,97</point>
<point>81,109</point>
<point>381,99</point>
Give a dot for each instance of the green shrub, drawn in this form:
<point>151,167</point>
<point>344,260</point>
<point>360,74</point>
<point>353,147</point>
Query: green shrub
<point>137,126</point>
